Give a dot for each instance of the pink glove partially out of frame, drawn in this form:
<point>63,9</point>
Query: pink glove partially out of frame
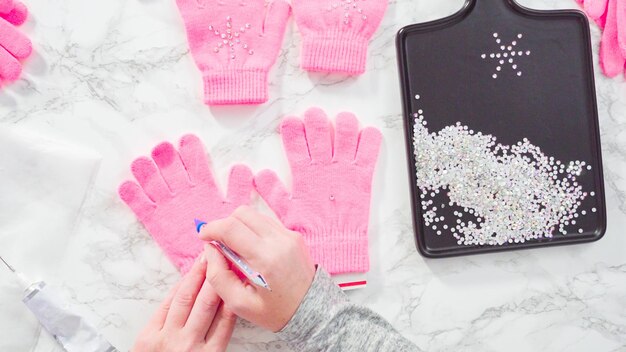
<point>176,188</point>
<point>610,15</point>
<point>14,46</point>
<point>330,199</point>
<point>336,33</point>
<point>234,44</point>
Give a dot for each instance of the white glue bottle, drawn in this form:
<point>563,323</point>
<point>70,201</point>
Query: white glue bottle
<point>69,329</point>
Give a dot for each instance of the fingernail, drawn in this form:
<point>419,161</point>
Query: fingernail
<point>202,258</point>
<point>199,224</point>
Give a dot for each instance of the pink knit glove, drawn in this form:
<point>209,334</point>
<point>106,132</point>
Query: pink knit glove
<point>610,15</point>
<point>14,46</point>
<point>336,33</point>
<point>234,44</point>
<point>330,201</point>
<point>178,189</point>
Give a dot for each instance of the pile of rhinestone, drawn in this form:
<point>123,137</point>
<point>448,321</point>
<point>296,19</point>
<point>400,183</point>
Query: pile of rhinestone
<point>501,194</point>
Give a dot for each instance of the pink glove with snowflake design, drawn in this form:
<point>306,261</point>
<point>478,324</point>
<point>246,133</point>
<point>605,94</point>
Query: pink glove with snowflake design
<point>177,187</point>
<point>336,33</point>
<point>234,44</point>
<point>330,200</point>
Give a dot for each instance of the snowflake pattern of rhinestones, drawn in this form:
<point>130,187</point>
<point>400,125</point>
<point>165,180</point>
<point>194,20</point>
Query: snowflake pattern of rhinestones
<point>497,193</point>
<point>230,38</point>
<point>350,9</point>
<point>506,55</point>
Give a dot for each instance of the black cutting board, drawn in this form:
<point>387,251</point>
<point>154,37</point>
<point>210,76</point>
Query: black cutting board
<point>547,94</point>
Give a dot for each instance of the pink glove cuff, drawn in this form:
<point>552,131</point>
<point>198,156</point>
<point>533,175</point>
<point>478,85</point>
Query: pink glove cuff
<point>335,52</point>
<point>339,251</point>
<point>235,87</point>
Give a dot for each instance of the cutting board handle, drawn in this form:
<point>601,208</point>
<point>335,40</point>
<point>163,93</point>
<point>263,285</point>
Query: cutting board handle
<point>492,7</point>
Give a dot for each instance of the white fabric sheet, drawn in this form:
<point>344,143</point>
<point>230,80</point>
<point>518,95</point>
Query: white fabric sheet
<point>43,184</point>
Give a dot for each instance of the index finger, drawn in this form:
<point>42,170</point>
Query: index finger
<point>158,319</point>
<point>186,295</point>
<point>262,225</point>
<point>234,234</point>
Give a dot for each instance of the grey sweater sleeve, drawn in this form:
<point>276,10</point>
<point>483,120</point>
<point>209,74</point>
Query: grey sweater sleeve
<point>327,321</point>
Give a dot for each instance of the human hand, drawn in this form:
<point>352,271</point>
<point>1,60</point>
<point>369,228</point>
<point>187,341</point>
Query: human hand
<point>192,318</point>
<point>277,253</point>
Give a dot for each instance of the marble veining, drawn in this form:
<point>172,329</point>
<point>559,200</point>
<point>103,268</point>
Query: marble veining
<point>117,77</point>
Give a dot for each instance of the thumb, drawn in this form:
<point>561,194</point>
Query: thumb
<point>272,191</point>
<point>237,295</point>
<point>239,185</point>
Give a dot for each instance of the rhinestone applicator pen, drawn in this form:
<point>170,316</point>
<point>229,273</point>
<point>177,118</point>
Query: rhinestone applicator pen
<point>252,275</point>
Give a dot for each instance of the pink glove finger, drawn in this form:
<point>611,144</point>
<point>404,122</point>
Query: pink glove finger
<point>275,23</point>
<point>601,22</point>
<point>10,68</point>
<point>318,135</point>
<point>6,6</point>
<point>16,43</point>
<point>273,191</point>
<point>369,147</point>
<point>346,137</point>
<point>132,194</point>
<point>171,167</point>
<point>239,185</point>
<point>17,15</point>
<point>196,161</point>
<point>611,59</point>
<point>311,15</point>
<point>595,8</point>
<point>294,139</point>
<point>150,179</point>
<point>621,26</point>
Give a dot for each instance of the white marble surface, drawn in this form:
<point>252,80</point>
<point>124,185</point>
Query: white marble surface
<point>116,77</point>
